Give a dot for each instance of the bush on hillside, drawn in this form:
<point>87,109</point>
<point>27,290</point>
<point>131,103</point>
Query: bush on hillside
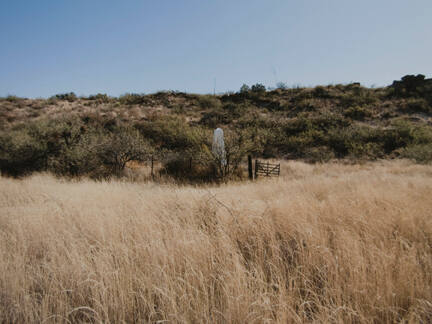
<point>215,118</point>
<point>321,92</point>
<point>69,147</point>
<point>71,97</point>
<point>420,153</point>
<point>359,96</point>
<point>100,98</point>
<point>236,111</point>
<point>124,145</point>
<point>188,169</point>
<point>21,153</point>
<point>357,113</point>
<point>417,105</point>
<point>244,88</point>
<point>281,85</point>
<point>80,159</point>
<point>258,88</point>
<point>132,99</point>
<point>12,98</point>
<point>209,102</point>
<point>203,165</point>
<point>410,85</point>
<point>171,133</point>
<point>355,142</point>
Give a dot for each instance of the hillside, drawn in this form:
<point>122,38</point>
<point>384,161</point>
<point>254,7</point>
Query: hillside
<point>353,101</point>
<point>314,124</point>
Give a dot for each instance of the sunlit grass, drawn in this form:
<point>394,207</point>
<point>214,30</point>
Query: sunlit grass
<point>325,243</point>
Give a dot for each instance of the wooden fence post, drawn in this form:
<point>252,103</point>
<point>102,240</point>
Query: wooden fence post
<point>227,165</point>
<point>250,167</point>
<point>152,173</point>
<point>256,169</point>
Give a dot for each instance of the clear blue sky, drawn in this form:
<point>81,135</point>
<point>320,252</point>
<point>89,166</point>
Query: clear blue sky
<point>113,46</point>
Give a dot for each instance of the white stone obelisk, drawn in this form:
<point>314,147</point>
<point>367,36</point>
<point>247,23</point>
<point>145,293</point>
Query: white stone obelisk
<point>218,147</point>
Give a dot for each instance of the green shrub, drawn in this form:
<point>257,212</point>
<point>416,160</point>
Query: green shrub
<point>356,142</point>
<point>132,99</point>
<point>417,105</point>
<point>321,92</point>
<point>258,88</point>
<point>357,113</point>
<point>306,105</point>
<point>236,110</point>
<point>209,102</point>
<point>68,147</point>
<point>12,98</point>
<point>71,97</point>
<point>412,86</point>
<point>301,94</point>
<point>244,88</point>
<point>360,99</point>
<point>422,134</point>
<point>125,144</point>
<point>21,153</point>
<point>281,85</point>
<point>172,133</point>
<point>201,164</point>
<point>80,159</point>
<point>100,98</point>
<point>38,145</point>
<point>421,153</point>
<point>399,135</point>
<point>323,122</point>
<point>188,169</point>
<point>214,118</point>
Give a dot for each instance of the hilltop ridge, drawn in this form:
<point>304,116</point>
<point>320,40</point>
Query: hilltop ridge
<point>410,97</point>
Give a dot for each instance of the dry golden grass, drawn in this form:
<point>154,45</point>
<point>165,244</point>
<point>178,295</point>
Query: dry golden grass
<point>328,243</point>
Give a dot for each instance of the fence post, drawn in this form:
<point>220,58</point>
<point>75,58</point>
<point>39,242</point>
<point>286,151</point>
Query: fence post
<point>152,173</point>
<point>256,169</point>
<point>227,165</point>
<point>250,167</point>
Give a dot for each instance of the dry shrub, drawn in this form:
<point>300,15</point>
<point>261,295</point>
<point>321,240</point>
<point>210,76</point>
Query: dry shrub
<point>324,243</point>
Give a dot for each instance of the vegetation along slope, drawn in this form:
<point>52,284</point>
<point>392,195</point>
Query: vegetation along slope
<point>98,135</point>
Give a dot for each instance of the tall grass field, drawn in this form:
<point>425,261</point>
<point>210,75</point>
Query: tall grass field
<point>325,243</point>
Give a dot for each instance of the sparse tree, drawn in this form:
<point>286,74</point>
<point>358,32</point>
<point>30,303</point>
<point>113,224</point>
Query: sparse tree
<point>238,144</point>
<point>258,88</point>
<point>281,85</point>
<point>244,88</point>
<point>121,147</point>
